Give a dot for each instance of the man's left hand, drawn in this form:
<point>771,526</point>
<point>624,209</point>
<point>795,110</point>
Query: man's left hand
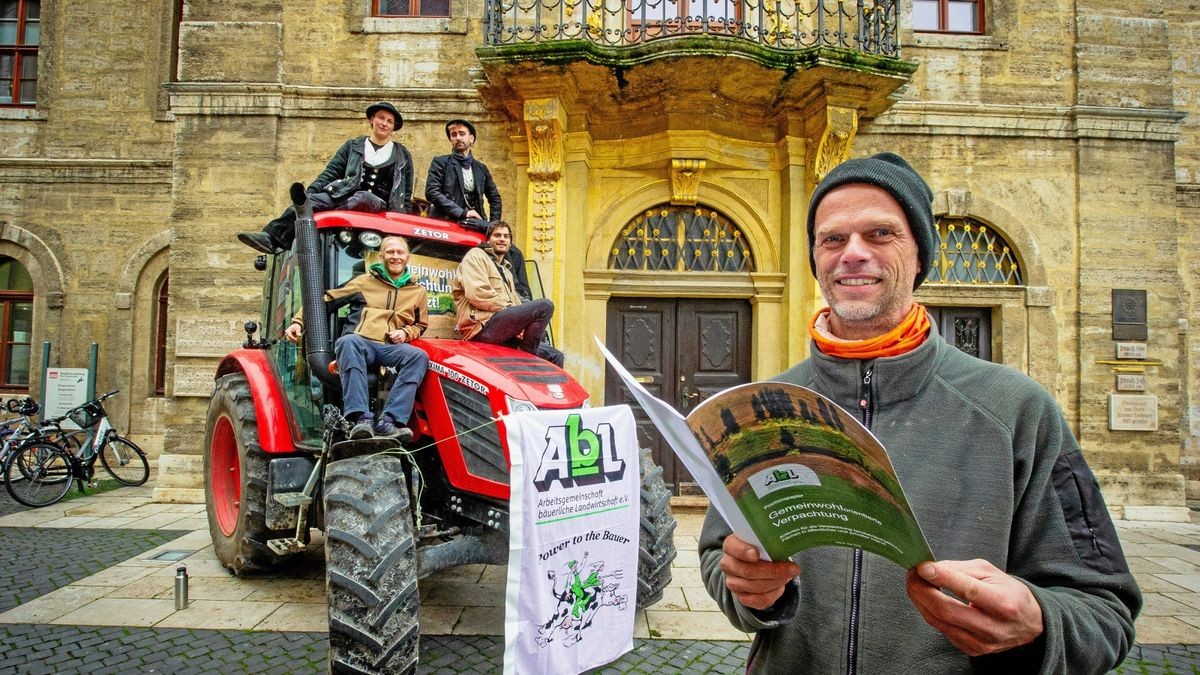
<point>396,337</point>
<point>996,612</point>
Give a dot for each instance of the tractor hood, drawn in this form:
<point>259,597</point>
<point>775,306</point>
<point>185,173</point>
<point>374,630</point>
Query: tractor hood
<point>492,369</point>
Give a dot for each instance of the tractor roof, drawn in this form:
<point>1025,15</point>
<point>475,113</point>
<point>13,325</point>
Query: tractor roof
<point>408,226</point>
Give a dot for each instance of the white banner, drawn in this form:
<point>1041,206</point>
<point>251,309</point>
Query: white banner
<point>573,540</point>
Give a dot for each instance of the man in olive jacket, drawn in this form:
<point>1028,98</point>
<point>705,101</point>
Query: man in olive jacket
<point>1030,576</point>
<point>387,312</point>
<point>368,173</point>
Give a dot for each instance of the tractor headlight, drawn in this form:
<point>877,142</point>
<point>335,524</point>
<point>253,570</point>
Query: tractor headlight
<point>345,236</point>
<point>517,405</point>
<point>370,239</point>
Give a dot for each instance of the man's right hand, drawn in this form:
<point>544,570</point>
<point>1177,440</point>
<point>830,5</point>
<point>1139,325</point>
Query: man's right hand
<point>472,213</point>
<point>293,333</point>
<point>755,583</point>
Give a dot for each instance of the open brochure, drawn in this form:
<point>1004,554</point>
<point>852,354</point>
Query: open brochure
<point>789,470</point>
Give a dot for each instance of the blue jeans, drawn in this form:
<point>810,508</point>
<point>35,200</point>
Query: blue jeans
<point>531,317</point>
<point>356,353</point>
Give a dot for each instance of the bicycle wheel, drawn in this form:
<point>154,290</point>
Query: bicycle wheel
<point>126,462</point>
<point>38,474</point>
<point>25,463</point>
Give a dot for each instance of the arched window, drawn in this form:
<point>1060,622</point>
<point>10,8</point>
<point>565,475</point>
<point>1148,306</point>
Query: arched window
<point>681,239</point>
<point>972,252</point>
<point>160,334</point>
<point>16,325</point>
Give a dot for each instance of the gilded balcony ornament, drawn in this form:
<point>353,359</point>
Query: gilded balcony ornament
<point>685,180</point>
<point>841,125</point>
<point>778,33</point>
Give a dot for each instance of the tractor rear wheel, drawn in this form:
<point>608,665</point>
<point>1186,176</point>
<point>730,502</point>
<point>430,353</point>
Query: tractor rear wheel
<point>235,480</point>
<point>656,542</point>
<point>370,567</point>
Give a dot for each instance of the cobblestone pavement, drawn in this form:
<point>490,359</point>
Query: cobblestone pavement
<point>34,561</point>
<point>37,649</point>
<point>34,649</point>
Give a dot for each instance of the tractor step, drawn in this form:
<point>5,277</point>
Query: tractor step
<point>293,498</point>
<point>285,545</point>
<point>365,446</point>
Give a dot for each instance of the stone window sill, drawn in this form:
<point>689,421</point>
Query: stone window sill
<point>22,114</point>
<point>445,25</point>
<point>955,41</point>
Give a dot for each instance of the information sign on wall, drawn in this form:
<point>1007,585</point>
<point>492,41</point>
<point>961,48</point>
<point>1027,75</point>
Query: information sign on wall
<point>1132,412</point>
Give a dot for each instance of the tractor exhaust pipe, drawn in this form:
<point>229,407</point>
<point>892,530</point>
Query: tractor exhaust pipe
<point>317,344</point>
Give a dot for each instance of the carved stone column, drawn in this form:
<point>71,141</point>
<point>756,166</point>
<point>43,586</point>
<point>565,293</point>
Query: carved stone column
<point>544,124</point>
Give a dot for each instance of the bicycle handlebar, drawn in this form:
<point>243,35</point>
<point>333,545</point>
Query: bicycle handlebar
<point>95,401</point>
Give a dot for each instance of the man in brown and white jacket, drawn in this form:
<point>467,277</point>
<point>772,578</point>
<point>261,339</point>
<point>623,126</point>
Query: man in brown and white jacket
<point>388,311</point>
<point>488,307</point>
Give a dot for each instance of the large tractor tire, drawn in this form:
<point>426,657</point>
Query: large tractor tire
<point>656,542</point>
<point>370,567</point>
<point>235,481</point>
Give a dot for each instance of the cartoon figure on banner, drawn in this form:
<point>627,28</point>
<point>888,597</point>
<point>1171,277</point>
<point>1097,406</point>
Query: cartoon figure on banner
<point>579,598</point>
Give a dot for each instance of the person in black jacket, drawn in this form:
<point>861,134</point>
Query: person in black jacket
<point>460,188</point>
<point>368,173</point>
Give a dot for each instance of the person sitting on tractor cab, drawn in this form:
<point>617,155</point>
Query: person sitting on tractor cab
<point>488,307</point>
<point>387,311</point>
<point>368,173</point>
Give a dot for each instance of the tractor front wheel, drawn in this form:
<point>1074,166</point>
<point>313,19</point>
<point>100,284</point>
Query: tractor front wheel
<point>370,567</point>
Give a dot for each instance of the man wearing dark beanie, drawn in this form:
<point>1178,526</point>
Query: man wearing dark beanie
<point>1031,576</point>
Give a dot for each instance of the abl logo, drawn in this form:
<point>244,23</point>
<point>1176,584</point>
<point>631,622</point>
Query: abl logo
<point>575,456</point>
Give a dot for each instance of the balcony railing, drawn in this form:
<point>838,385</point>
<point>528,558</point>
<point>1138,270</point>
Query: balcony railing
<point>867,26</point>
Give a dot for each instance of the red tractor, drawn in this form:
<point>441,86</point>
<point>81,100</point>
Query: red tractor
<point>277,460</point>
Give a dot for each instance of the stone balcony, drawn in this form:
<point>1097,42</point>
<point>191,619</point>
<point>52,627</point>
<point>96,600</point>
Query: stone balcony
<point>645,66</point>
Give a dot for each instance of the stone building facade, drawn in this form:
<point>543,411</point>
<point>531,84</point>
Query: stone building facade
<point>1065,130</point>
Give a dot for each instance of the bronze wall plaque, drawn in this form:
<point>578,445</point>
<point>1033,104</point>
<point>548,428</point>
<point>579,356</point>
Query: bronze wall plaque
<point>1129,314</point>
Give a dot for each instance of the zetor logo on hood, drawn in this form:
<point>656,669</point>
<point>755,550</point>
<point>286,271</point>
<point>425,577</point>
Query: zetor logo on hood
<point>576,457</point>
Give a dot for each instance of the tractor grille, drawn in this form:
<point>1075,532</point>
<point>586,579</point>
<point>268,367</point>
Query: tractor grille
<point>482,450</point>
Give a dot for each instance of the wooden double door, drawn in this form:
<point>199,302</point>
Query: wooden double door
<point>682,351</point>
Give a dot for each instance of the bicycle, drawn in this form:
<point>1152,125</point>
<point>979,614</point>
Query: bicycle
<point>22,430</point>
<point>44,470</point>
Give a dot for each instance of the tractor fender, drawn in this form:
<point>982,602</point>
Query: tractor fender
<point>270,406</point>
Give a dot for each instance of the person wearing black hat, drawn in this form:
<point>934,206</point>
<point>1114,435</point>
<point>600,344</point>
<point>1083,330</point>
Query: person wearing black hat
<point>457,188</point>
<point>369,173</point>
<point>1030,576</point>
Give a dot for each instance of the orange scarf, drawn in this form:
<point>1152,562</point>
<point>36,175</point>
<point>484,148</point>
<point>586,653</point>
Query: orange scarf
<point>904,338</point>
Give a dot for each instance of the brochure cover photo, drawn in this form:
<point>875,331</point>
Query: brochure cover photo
<point>789,470</point>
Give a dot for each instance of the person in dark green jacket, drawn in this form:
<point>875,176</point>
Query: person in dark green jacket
<point>1030,578</point>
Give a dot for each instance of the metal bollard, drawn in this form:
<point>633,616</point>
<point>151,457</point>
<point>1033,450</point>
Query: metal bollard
<point>181,587</point>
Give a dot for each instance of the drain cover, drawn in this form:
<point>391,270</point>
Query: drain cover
<point>170,556</point>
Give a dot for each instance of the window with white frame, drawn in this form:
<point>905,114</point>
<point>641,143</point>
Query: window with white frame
<point>948,16</point>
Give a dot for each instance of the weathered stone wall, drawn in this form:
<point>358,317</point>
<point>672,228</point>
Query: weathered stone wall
<point>85,184</point>
<point>1184,38</point>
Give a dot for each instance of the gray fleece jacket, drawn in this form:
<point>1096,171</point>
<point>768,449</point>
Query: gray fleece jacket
<point>992,471</point>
